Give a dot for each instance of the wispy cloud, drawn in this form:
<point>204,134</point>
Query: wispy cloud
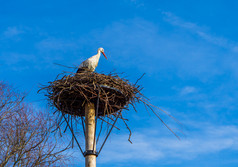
<point>188,90</point>
<point>12,32</point>
<point>56,44</point>
<point>138,3</point>
<point>12,59</point>
<point>150,146</point>
<point>17,61</point>
<point>200,31</point>
<point>140,44</point>
<point>22,62</point>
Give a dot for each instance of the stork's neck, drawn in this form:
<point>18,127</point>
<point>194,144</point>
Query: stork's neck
<point>98,55</point>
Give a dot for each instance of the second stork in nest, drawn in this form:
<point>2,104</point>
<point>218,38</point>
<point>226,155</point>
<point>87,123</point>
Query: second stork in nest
<point>90,64</point>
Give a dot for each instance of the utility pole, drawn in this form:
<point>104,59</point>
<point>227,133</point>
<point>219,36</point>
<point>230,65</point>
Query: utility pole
<point>90,144</point>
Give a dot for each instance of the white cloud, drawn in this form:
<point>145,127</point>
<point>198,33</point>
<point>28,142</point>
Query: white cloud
<point>20,62</point>
<point>56,44</point>
<point>149,146</point>
<point>15,58</point>
<point>12,32</point>
<point>187,90</point>
<point>137,3</point>
<point>140,44</point>
<point>200,31</point>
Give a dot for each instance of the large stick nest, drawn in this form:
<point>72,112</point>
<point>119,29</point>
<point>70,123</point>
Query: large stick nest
<point>70,93</point>
<point>109,93</point>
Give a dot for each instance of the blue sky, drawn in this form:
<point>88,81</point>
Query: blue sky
<point>187,50</point>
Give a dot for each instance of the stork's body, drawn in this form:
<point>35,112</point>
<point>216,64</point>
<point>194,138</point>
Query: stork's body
<point>91,63</point>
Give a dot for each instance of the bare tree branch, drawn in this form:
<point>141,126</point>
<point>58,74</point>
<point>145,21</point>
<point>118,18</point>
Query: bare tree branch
<point>25,133</point>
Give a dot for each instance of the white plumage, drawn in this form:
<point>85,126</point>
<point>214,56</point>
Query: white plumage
<point>91,63</point>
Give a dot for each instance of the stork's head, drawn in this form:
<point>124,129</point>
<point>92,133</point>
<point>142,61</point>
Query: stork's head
<point>102,51</point>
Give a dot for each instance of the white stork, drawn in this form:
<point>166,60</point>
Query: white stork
<point>91,63</point>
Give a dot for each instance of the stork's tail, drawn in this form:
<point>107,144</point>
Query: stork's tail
<point>83,70</point>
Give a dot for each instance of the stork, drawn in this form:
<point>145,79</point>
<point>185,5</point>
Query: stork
<point>91,63</point>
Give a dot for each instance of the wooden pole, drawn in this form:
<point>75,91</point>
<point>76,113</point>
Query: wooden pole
<point>90,159</point>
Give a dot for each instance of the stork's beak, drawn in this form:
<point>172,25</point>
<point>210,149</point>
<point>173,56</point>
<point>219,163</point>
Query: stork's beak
<point>104,55</point>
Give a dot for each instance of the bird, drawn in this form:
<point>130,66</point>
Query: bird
<point>91,63</point>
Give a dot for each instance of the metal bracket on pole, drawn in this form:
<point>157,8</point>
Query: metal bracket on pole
<point>110,131</point>
<point>90,152</point>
